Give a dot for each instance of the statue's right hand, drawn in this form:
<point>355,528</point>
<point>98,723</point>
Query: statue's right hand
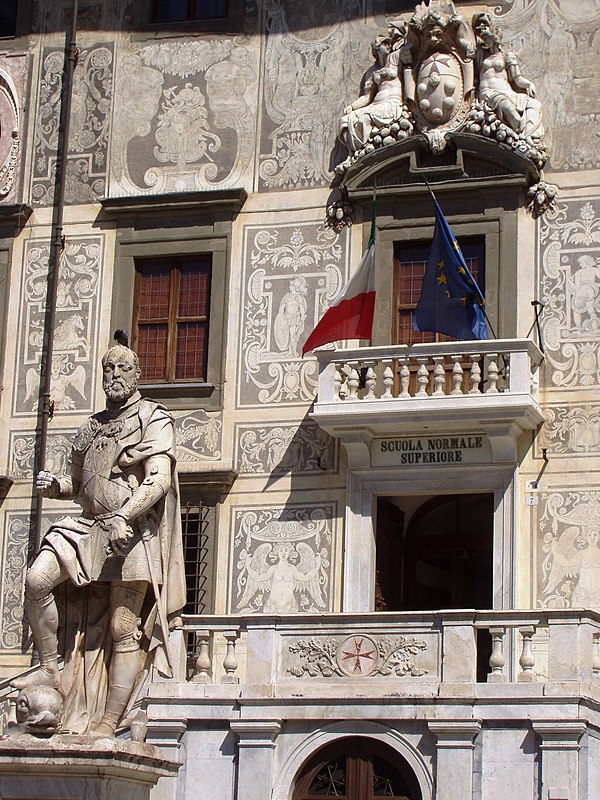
<point>47,484</point>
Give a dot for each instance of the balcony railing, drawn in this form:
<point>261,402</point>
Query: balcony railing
<point>416,651</point>
<point>446,384</point>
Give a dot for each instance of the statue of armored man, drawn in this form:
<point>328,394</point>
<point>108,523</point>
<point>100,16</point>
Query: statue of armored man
<point>107,584</point>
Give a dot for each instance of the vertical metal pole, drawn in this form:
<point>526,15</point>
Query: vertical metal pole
<point>56,248</point>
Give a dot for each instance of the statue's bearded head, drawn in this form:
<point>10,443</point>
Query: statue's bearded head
<point>120,373</point>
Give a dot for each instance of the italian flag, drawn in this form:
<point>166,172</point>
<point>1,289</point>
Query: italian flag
<point>350,315</point>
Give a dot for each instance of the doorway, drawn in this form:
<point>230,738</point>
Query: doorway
<point>357,768</point>
<point>437,555</point>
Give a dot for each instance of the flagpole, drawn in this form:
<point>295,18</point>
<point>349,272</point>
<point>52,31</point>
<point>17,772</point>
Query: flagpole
<point>481,301</point>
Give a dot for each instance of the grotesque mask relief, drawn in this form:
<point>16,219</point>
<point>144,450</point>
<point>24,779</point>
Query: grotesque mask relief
<point>438,74</point>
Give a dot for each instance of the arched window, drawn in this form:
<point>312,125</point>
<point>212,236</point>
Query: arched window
<point>357,768</point>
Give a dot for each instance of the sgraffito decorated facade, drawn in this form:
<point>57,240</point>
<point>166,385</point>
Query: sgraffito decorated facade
<point>392,547</point>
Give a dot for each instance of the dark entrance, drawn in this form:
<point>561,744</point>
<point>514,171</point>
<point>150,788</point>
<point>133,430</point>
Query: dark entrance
<point>441,559</point>
<point>357,768</point>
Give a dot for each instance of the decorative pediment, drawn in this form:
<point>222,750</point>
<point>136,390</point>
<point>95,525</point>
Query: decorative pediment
<point>466,157</point>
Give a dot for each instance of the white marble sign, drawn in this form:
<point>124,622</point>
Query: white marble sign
<point>419,451</point>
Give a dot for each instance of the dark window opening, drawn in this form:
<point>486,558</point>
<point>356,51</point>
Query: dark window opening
<point>443,559</point>
<point>188,10</point>
<point>8,18</point>
<point>197,523</point>
<point>170,318</point>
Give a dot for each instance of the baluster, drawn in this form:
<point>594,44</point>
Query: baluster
<point>439,375</point>
<point>492,374</point>
<point>388,381</point>
<point>457,376</point>
<point>230,662</point>
<point>475,374</point>
<point>203,662</point>
<point>337,383</point>
<point>497,659</point>
<point>404,380</point>
<point>422,378</point>
<point>596,654</point>
<point>527,661</point>
<point>353,384</point>
<point>370,383</point>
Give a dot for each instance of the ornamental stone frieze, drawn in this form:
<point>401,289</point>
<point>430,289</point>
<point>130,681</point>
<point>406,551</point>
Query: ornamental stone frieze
<point>357,656</point>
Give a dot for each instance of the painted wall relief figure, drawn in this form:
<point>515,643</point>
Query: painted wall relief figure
<point>570,526</point>
<point>281,572</point>
<point>584,288</point>
<point>291,317</point>
<point>282,561</point>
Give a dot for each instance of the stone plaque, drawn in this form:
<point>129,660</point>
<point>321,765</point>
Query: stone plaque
<point>416,451</point>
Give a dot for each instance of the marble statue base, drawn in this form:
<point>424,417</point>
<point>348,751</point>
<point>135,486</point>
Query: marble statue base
<point>80,768</point>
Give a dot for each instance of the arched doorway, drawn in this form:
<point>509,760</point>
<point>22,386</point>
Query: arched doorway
<point>357,768</point>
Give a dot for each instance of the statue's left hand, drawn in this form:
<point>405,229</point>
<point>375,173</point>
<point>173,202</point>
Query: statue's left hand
<point>119,535</point>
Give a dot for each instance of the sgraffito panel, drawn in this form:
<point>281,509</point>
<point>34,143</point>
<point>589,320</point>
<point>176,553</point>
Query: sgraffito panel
<point>569,258</point>
<point>314,61</point>
<point>569,550</point>
<point>572,430</point>
<point>76,326</point>
<point>23,451</point>
<point>18,537</point>
<point>290,274</point>
<point>184,116</point>
<point>282,559</point>
<point>89,126</point>
<point>198,436</point>
<point>555,40</point>
<point>284,448</point>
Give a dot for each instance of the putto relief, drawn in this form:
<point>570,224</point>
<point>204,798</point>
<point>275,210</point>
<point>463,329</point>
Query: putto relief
<point>283,560</point>
<point>437,74</point>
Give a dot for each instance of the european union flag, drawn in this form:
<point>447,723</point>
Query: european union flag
<point>450,301</point>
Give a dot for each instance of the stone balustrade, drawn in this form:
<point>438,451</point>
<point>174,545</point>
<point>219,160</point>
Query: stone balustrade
<point>410,648</point>
<point>422,383</point>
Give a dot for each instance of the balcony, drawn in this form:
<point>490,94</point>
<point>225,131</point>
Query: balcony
<point>485,387</point>
<point>405,659</point>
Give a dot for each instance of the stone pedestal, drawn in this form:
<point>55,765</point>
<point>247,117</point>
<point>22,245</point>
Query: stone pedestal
<point>79,768</point>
